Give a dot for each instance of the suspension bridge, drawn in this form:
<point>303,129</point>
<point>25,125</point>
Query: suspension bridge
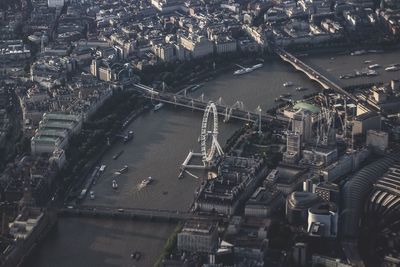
<point>235,111</point>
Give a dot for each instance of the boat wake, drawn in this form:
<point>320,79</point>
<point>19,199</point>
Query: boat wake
<point>140,187</point>
<point>244,70</point>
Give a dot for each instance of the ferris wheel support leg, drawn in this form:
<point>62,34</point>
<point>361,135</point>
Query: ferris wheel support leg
<point>218,148</point>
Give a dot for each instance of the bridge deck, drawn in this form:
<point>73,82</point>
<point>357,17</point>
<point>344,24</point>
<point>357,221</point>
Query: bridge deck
<point>311,72</point>
<point>200,105</point>
<point>125,213</point>
<point>157,215</point>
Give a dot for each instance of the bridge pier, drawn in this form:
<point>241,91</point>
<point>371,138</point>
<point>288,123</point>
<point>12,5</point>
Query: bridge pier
<point>226,114</point>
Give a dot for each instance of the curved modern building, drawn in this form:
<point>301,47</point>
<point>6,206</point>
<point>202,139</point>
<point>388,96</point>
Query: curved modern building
<point>323,219</point>
<point>385,197</point>
<point>381,219</point>
<point>297,205</point>
<point>356,190</point>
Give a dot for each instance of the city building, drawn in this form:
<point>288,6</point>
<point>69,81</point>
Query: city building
<point>323,220</point>
<point>167,6</point>
<point>198,236</point>
<point>197,45</point>
<point>249,237</point>
<point>225,45</point>
<point>165,52</point>
<point>50,71</point>
<point>299,254</point>
<point>366,121</point>
<point>302,123</point>
<point>320,260</point>
<point>25,231</point>
<point>356,189</point>
<point>328,191</point>
<point>235,181</point>
<point>289,178</point>
<point>386,192</point>
<point>55,3</point>
<point>23,225</point>
<point>58,158</point>
<point>13,50</point>
<point>382,210</point>
<point>384,98</point>
<point>377,140</point>
<point>264,202</point>
<point>54,132</point>
<point>297,205</point>
<point>319,156</point>
<point>293,148</point>
<point>339,168</point>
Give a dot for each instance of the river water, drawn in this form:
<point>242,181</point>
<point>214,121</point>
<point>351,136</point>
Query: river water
<point>340,64</point>
<point>161,143</point>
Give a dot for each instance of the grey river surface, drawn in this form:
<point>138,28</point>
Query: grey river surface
<point>335,65</point>
<point>161,143</point>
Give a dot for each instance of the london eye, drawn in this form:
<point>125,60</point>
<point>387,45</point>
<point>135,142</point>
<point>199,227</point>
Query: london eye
<point>209,134</point>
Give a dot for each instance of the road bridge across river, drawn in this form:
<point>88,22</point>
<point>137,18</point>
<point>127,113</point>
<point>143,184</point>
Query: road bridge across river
<point>311,72</point>
<point>130,213</point>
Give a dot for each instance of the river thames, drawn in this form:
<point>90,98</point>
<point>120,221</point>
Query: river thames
<point>161,143</point>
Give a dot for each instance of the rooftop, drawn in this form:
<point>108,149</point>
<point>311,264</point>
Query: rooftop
<point>45,138</point>
<point>366,115</point>
<point>303,199</point>
<point>306,106</point>
<point>199,227</point>
<point>264,195</point>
